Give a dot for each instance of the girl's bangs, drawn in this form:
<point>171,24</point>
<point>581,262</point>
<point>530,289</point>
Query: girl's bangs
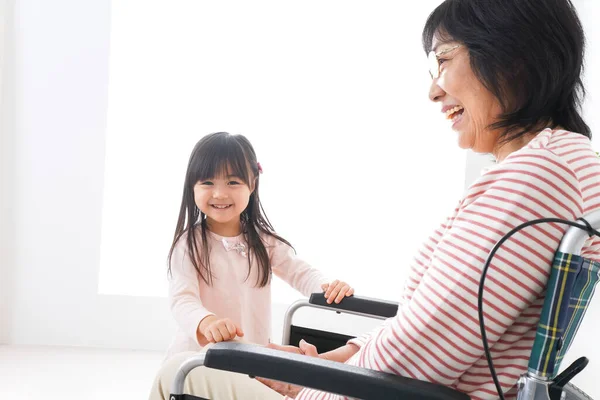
<point>220,160</point>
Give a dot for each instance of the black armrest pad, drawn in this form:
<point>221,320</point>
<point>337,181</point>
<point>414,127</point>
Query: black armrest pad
<point>323,375</point>
<point>362,305</point>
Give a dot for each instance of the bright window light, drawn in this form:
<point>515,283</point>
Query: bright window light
<point>360,166</point>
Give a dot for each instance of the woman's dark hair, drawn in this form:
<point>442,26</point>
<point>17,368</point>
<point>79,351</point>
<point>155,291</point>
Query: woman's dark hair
<point>528,53</point>
<point>215,155</point>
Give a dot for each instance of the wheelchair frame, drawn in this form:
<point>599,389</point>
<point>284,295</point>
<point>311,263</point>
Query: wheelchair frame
<point>367,384</point>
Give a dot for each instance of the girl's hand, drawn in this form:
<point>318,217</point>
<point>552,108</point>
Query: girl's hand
<point>336,291</point>
<point>216,329</point>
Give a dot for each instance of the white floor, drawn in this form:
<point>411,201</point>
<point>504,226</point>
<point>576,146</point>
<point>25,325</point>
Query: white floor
<point>70,373</point>
<point>73,373</point>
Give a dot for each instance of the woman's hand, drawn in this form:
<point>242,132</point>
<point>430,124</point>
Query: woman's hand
<point>336,291</point>
<point>215,329</point>
<point>287,389</point>
<point>341,354</point>
<point>305,348</point>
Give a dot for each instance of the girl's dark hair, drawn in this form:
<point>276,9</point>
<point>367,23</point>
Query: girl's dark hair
<point>528,53</point>
<point>215,155</point>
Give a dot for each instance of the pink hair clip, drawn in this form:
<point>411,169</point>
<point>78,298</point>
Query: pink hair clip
<point>260,170</point>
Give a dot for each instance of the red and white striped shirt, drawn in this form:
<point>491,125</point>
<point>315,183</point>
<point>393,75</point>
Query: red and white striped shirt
<point>435,336</point>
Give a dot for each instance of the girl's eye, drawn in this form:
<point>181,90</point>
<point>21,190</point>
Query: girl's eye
<point>234,183</point>
<point>206,183</point>
<point>441,61</point>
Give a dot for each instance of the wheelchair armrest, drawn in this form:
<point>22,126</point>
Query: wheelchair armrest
<point>361,305</point>
<point>328,376</point>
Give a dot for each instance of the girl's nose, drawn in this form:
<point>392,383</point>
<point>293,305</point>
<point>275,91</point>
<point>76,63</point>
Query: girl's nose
<point>219,193</point>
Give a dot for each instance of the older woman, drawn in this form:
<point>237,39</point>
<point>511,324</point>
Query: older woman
<point>507,74</point>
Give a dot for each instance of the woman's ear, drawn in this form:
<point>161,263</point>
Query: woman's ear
<point>253,185</point>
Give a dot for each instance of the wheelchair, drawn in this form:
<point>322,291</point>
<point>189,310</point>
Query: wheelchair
<point>571,284</point>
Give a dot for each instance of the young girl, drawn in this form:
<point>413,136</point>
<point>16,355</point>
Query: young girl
<point>225,250</point>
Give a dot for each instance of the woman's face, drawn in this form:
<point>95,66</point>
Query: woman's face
<point>466,103</point>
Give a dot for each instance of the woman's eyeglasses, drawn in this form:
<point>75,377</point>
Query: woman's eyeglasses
<point>434,61</point>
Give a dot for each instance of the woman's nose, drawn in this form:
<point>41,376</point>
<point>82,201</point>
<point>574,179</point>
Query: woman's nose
<point>435,91</point>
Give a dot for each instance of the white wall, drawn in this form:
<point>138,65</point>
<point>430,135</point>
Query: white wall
<point>6,169</point>
<point>51,170</point>
<point>58,99</point>
<point>57,117</point>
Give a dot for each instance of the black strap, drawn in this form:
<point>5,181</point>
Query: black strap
<point>590,230</point>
